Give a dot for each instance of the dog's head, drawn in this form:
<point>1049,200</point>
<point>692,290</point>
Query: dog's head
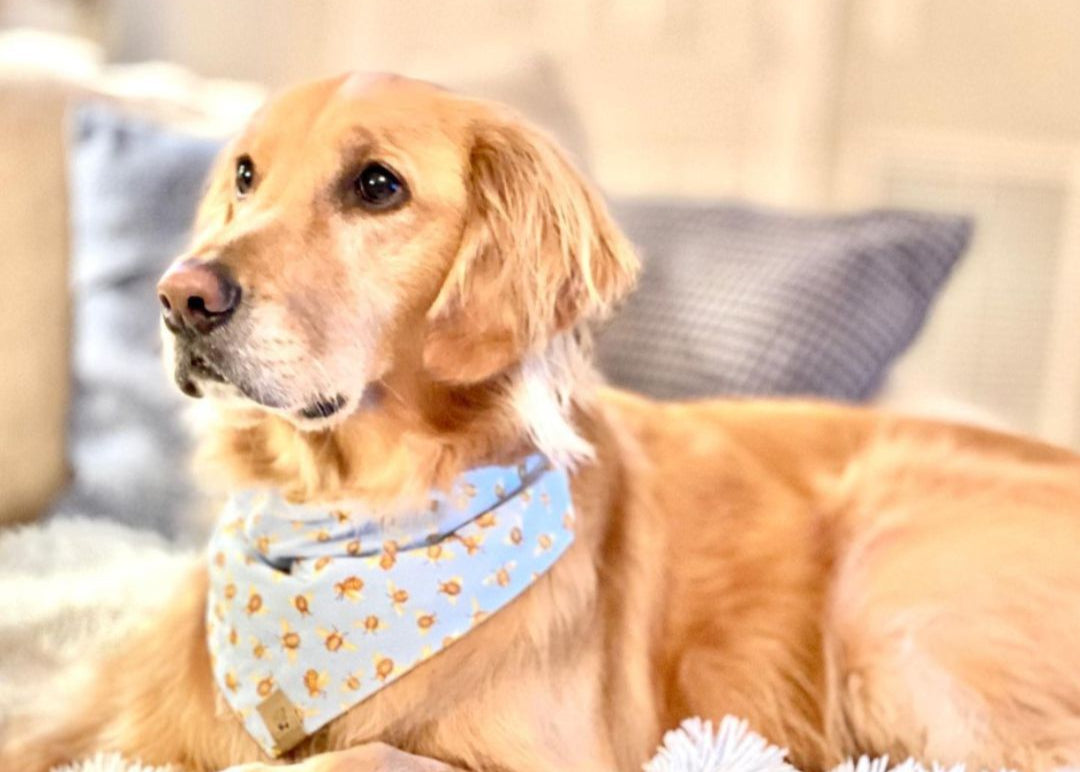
<point>370,233</point>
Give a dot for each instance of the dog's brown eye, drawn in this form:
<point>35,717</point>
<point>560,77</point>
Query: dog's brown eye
<point>378,188</point>
<point>245,175</point>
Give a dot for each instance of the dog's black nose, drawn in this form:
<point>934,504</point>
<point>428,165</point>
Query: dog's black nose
<point>197,296</point>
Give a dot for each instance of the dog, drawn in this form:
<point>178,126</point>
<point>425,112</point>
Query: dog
<point>389,285</point>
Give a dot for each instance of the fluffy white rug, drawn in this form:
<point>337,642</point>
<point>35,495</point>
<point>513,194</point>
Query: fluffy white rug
<point>69,588</point>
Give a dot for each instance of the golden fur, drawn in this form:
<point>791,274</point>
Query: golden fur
<point>848,581</point>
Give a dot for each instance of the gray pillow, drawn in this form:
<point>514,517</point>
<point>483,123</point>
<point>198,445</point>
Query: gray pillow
<point>134,187</point>
<point>737,300</point>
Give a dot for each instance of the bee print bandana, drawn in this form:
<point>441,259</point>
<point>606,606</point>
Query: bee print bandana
<point>313,609</point>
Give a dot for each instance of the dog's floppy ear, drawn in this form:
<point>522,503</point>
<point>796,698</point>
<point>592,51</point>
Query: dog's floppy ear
<point>538,254</point>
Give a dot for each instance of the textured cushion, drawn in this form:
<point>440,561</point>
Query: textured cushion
<point>735,300</point>
<point>134,188</point>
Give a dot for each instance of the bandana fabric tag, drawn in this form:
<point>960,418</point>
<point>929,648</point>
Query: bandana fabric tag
<point>283,720</point>
<point>312,610</point>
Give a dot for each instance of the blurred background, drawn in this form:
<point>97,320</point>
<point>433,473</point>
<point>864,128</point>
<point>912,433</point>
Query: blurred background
<point>970,107</point>
<point>876,201</point>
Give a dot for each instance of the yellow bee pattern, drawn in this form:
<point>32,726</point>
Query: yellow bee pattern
<point>370,624</point>
<point>340,601</point>
<point>349,588</point>
<point>334,640</point>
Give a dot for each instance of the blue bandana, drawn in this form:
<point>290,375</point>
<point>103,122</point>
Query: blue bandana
<point>312,610</point>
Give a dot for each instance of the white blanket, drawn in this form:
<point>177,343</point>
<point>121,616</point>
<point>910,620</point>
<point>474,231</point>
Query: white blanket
<point>69,588</point>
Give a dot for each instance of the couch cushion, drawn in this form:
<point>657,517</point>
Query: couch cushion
<point>736,300</point>
<point>134,188</point>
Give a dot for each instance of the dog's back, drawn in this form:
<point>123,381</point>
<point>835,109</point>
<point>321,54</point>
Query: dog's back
<point>854,582</point>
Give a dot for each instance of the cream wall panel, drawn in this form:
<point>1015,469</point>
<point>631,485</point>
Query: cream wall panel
<point>1000,67</point>
<point>679,97</point>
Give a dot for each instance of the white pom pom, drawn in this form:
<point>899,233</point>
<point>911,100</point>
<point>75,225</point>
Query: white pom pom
<point>695,747</point>
<point>109,762</point>
<point>867,764</point>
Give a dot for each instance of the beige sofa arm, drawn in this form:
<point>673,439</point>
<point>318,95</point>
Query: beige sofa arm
<point>34,306</point>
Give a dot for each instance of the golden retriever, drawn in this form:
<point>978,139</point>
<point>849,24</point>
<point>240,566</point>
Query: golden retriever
<point>390,285</point>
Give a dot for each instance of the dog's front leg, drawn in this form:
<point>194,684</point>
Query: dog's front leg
<point>370,757</point>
